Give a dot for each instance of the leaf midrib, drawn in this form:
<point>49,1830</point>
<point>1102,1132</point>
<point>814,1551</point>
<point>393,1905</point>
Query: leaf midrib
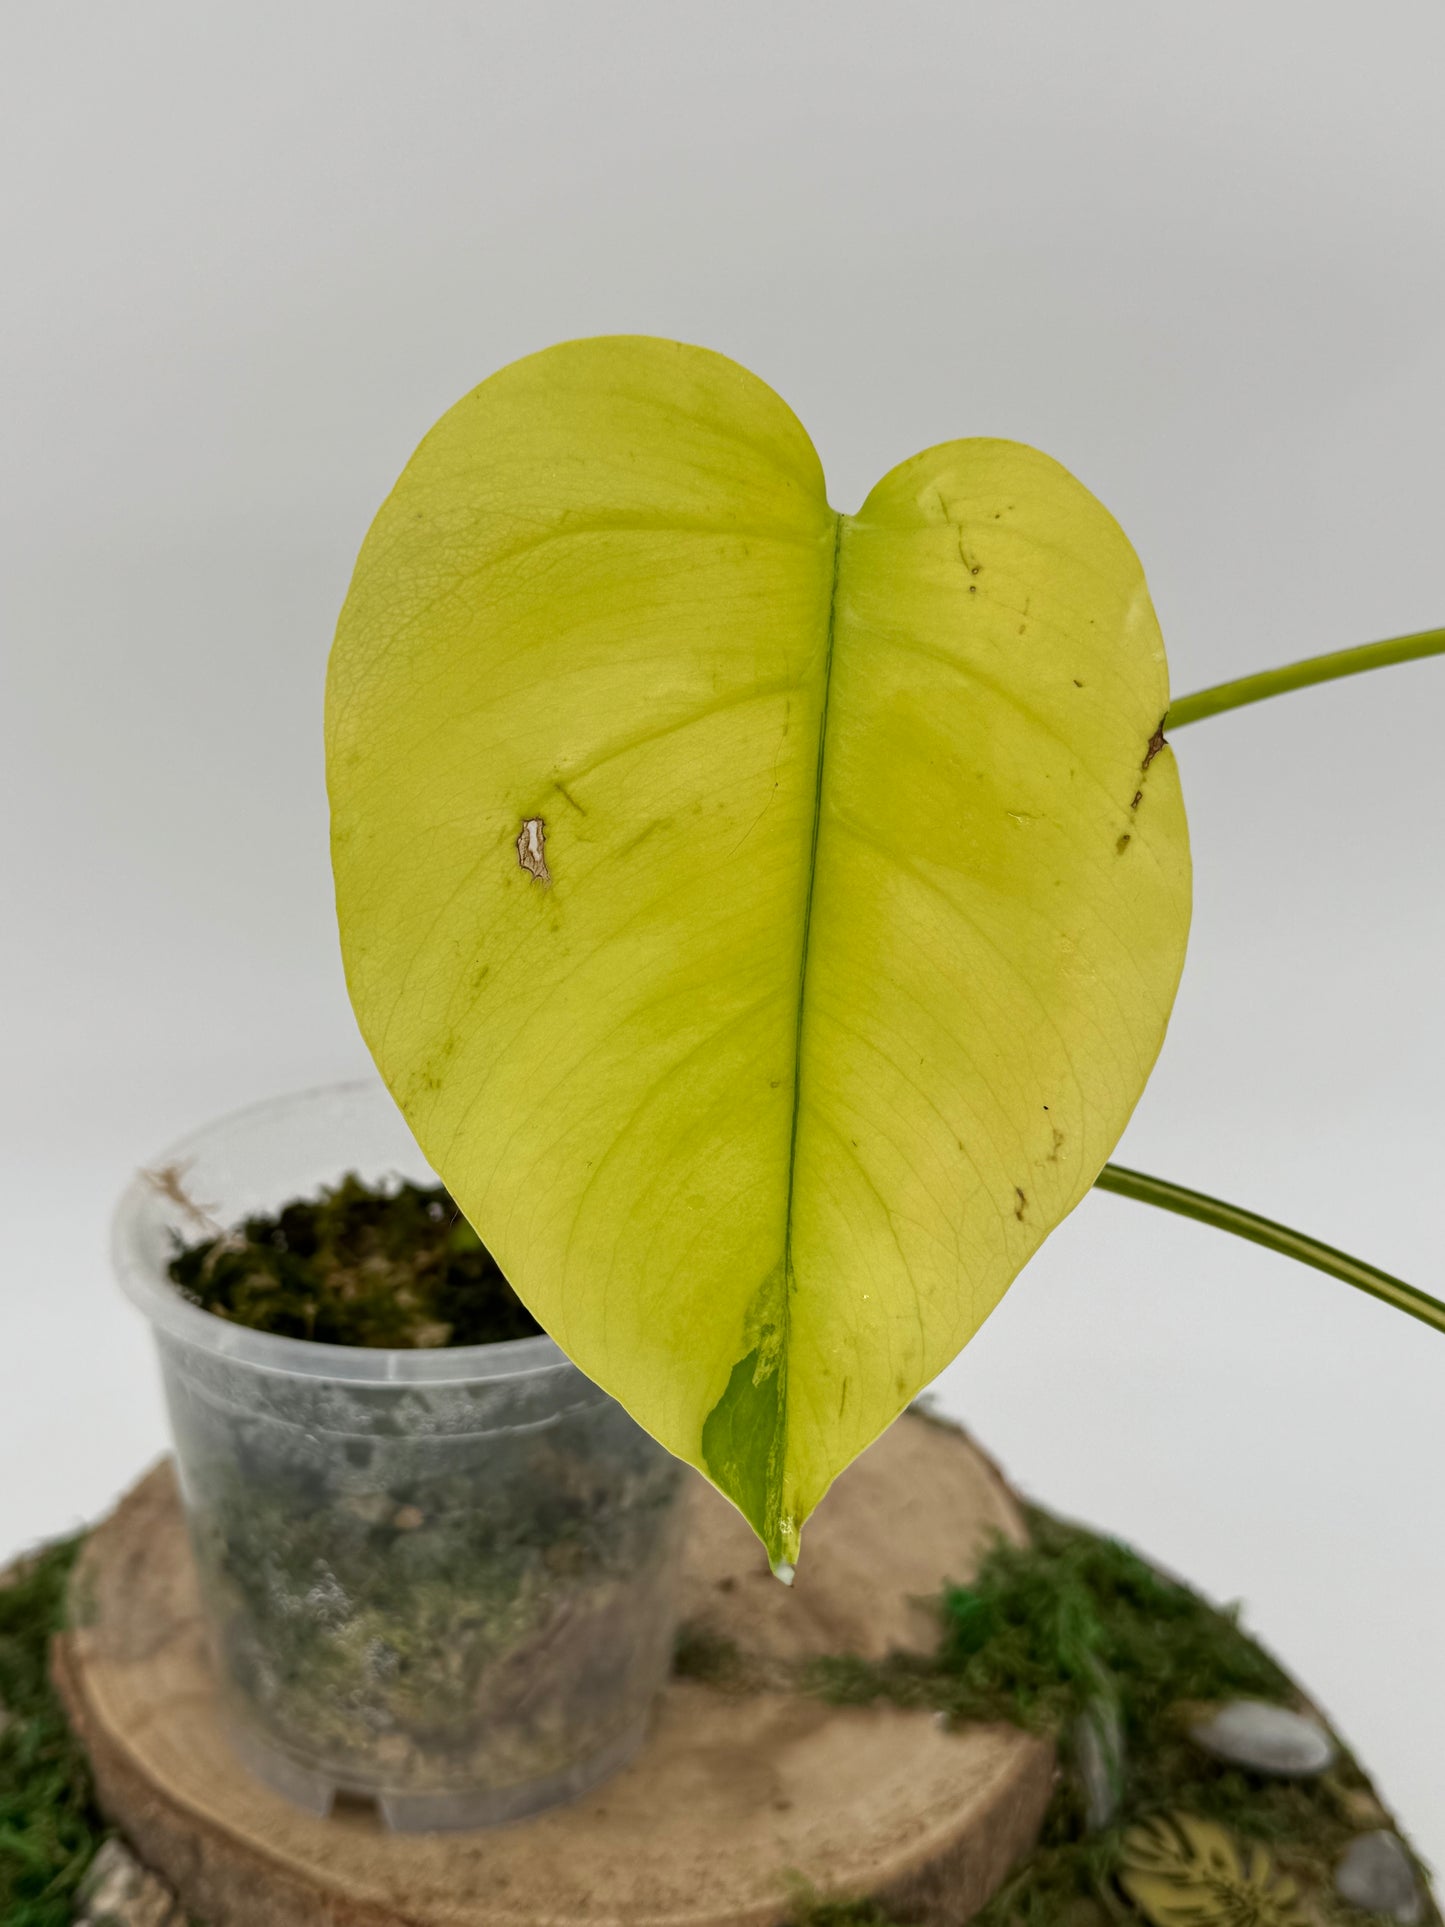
<point>803,971</point>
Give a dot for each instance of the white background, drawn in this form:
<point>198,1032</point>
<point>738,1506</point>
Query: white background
<point>250,253</point>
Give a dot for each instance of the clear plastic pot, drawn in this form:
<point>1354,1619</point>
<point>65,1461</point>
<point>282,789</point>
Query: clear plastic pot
<point>441,1580</point>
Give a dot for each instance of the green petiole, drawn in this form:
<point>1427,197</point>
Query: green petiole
<point>1274,1237</point>
<point>1214,1211</point>
<point>1300,675</point>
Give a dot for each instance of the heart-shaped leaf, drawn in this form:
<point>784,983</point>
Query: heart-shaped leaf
<point>766,918</point>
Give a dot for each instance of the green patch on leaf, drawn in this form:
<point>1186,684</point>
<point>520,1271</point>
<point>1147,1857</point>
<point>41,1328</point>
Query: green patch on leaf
<point>744,1435</point>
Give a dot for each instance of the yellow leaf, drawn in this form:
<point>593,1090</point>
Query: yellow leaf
<point>766,918</point>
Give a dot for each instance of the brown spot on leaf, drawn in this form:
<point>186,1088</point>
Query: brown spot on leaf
<point>1155,744</point>
<point>1122,844</point>
<point>1021,1206</point>
<point>532,848</point>
<point>1138,799</point>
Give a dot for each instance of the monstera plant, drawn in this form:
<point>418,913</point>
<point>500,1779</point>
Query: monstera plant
<point>766,918</point>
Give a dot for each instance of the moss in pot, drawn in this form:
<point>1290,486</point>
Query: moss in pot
<point>361,1264</point>
<point>436,1561</point>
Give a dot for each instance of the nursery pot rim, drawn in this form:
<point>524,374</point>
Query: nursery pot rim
<point>141,1214</point>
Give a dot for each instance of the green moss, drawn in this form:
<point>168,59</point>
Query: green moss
<point>358,1266</point>
<point>49,1826</point>
<point>401,1628</point>
<point>811,1912</point>
<point>1047,1629</point>
<point>706,1656</point>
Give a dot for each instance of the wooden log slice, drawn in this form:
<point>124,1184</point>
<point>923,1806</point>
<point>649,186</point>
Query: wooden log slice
<point>733,1801</point>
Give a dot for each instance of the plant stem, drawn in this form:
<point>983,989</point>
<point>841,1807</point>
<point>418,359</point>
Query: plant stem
<point>1299,675</point>
<point>1275,1237</point>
